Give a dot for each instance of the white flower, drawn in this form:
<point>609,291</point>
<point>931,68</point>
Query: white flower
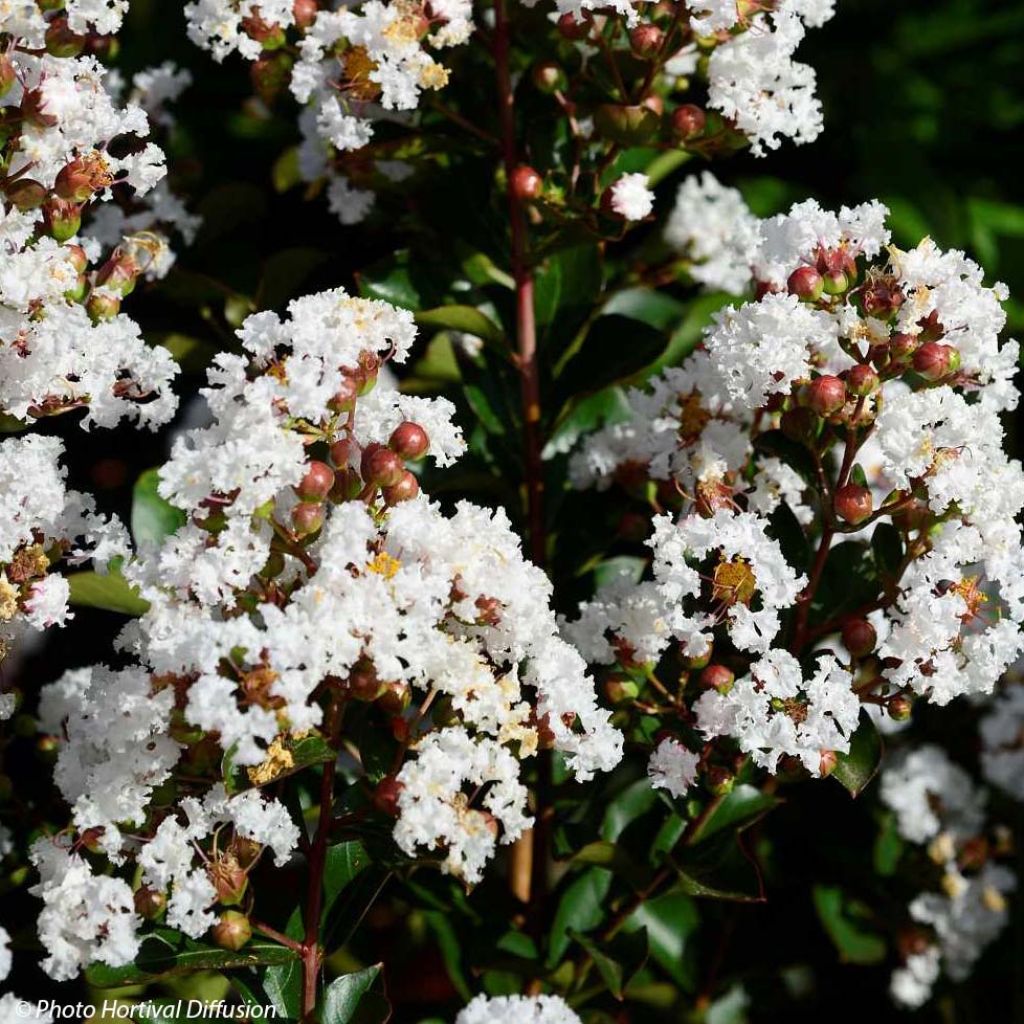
<point>517,1010</point>
<point>672,767</point>
<point>631,198</point>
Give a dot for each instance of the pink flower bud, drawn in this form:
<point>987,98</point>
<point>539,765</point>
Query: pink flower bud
<point>385,796</point>
<point>900,708</point>
<point>827,763</point>
<point>571,29</point>
<point>934,361</point>
<point>806,284</point>
<point>903,346</point>
<point>859,637</point>
<point>853,503</point>
<point>688,121</point>
<point>526,183</point>
<point>82,177</point>
<point>826,395</point>
<point>232,930</point>
<point>861,381</point>
<point>317,482</point>
<point>149,902</point>
<point>409,440</point>
<point>380,466</point>
<point>61,41</point>
<point>717,677</point>
<point>405,490</point>
<point>307,518</point>
<point>304,12</point>
<point>548,77</point>
<point>835,282</point>
<point>646,41</point>
<point>62,218</point>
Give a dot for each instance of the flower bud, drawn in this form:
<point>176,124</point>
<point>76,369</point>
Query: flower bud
<point>341,452</point>
<point>245,850</point>
<point>103,305</point>
<point>646,41</point>
<point>33,109</point>
<point>835,282</point>
<point>62,218</point>
<point>269,75</point>
<point>149,903</point>
<point>307,518</point>
<point>385,796</point>
<point>631,125</point>
<point>61,41</point>
<point>853,503</point>
<point>826,395</point>
<point>903,346</point>
<point>859,637</point>
<point>801,425</point>
<point>717,677</point>
<point>232,930</point>
<point>827,763</point>
<point>688,121</point>
<point>409,440</point>
<point>77,257</point>
<point>806,284</point>
<point>695,662</point>
<point>317,482</point>
<point>620,689</point>
<point>934,361</point>
<point>344,399</point>
<point>862,381</point>
<point>269,35</point>
<point>900,708</point>
<point>571,29</point>
<point>347,485</point>
<point>26,194</point>
<point>304,12</point>
<point>526,183</point>
<point>229,879</point>
<point>380,466</point>
<point>548,77</point>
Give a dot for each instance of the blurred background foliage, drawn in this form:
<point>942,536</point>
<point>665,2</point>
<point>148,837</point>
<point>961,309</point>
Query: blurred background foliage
<point>924,109</point>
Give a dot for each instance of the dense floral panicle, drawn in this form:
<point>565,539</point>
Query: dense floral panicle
<point>517,1010</point>
<point>1002,755</point>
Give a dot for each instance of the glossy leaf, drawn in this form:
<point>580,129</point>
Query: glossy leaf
<point>111,592</point>
<point>671,923</point>
<point>579,910</point>
<point>466,319</point>
<point>343,996</point>
<point>844,922</point>
<point>857,768</point>
<point>343,863</point>
<point>153,517</point>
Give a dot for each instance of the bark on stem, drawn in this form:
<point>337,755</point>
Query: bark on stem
<point>521,861</point>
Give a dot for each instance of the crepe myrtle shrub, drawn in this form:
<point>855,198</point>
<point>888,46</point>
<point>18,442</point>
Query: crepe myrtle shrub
<point>491,610</point>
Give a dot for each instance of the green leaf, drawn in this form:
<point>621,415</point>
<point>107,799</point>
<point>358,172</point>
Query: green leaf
<point>687,335</point>
<point>887,544</point>
<point>671,923</point>
<point>451,953</point>
<point>889,847</point>
<point>566,287</point>
<point>343,863</point>
<point>619,961</point>
<point>153,517</point>
<point>613,857</point>
<point>857,768</point>
<point>844,922</point>
<point>111,592</point>
<point>167,953</point>
<point>467,319</point>
<point>615,349</point>
<point>285,273</point>
<point>648,306</point>
<point>308,750</point>
<point>694,886</point>
<point>579,910</point>
<point>739,809</point>
<point>635,800</point>
<point>403,281</point>
<point>344,994</point>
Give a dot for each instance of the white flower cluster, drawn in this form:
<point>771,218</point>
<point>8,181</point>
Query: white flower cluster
<point>1002,737</point>
<point>938,806</point>
<point>753,79</point>
<point>905,345</point>
<point>517,1010</point>
<point>41,522</point>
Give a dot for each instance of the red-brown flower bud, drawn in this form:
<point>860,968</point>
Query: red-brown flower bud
<point>149,903</point>
<point>342,452</point>
<point>688,121</point>
<point>629,125</point>
<point>526,183</point>
<point>903,346</point>
<point>409,440</point>
<point>862,380</point>
<point>25,194</point>
<point>646,41</point>
<point>900,708</point>
<point>934,361</point>
<point>548,77</point>
<point>571,29</point>
<point>304,12</point>
<point>380,466</point>
<point>827,763</point>
<point>307,518</point>
<point>61,41</point>
<point>229,879</point>
<point>232,930</point>
<point>853,503</point>
<point>826,395</point>
<point>395,697</point>
<point>835,282</point>
<point>82,177</point>
<point>62,218</point>
<point>717,677</point>
<point>344,399</point>
<point>806,284</point>
<point>363,683</point>
<point>859,637</point>
<point>317,482</point>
